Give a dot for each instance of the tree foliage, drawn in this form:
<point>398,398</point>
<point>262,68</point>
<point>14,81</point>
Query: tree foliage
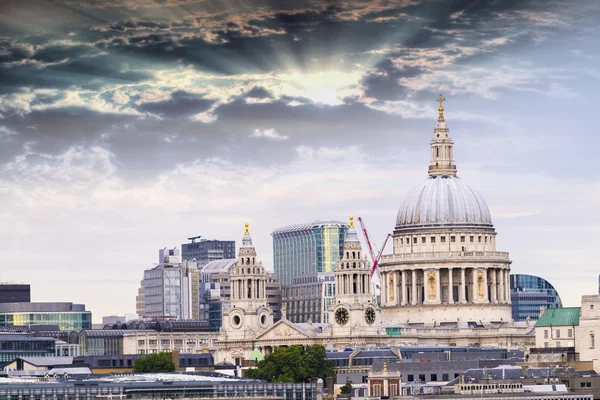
<point>347,388</point>
<point>158,362</point>
<point>293,364</point>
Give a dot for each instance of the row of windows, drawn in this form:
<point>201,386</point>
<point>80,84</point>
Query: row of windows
<point>432,239</point>
<point>557,333</point>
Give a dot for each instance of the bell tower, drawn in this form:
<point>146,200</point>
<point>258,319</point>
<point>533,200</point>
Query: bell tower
<point>442,157</point>
<point>354,303</point>
<point>248,311</point>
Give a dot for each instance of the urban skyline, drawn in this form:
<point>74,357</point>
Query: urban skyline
<point>130,126</point>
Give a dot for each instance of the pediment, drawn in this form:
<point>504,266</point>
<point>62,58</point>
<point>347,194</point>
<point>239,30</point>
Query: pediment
<point>283,330</point>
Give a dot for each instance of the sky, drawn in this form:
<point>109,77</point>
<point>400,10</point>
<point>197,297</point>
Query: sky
<point>127,126</point>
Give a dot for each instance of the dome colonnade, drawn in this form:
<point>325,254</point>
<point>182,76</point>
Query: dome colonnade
<point>444,250</point>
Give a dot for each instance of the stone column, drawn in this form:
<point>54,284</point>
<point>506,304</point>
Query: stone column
<point>403,301</point>
<point>450,287</point>
<point>413,299</point>
<point>494,286</point>
<point>383,288</point>
<point>425,287</point>
<point>501,285</point>
<point>438,287</point>
<point>486,296</point>
<point>474,288</point>
<point>396,294</point>
<point>507,288</point>
<point>463,285</point>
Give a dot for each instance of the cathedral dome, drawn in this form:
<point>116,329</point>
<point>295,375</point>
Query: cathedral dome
<point>443,201</point>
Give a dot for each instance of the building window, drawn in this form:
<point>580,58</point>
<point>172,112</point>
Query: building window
<point>445,377</point>
<point>592,341</point>
<point>423,239</point>
<point>433,377</point>
<point>415,240</point>
<point>570,333</point>
<point>452,239</point>
<point>479,239</point>
<point>433,239</point>
<point>401,241</point>
<point>472,239</point>
<point>410,378</point>
<point>152,341</point>
<point>421,377</point>
<point>486,239</point>
<point>393,390</point>
<point>462,239</point>
<point>443,239</point>
<point>376,390</point>
<point>557,344</point>
<point>558,333</point>
<point>585,384</point>
<point>546,344</point>
<point>141,342</point>
<point>545,333</point>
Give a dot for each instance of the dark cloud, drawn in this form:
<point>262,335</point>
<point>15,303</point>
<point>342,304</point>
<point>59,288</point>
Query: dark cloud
<point>180,104</point>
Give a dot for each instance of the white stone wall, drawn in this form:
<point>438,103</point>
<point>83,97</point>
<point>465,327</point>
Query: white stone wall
<point>588,331</point>
<point>555,336</point>
<point>156,342</point>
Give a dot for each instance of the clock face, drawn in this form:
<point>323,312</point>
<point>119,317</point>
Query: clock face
<point>370,315</point>
<point>341,316</point>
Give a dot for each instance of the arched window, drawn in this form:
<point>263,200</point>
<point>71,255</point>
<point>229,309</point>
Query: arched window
<point>353,254</point>
<point>242,261</point>
<point>437,151</point>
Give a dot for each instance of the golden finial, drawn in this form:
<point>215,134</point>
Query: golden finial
<point>351,221</point>
<point>441,108</point>
<point>384,365</point>
<point>247,230</point>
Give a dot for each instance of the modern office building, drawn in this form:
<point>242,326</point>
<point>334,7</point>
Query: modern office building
<point>139,301</point>
<point>215,291</point>
<point>204,251</point>
<point>67,316</point>
<point>307,248</point>
<point>529,293</point>
<point>309,297</point>
<point>171,287</point>
<point>15,293</point>
<point>24,345</point>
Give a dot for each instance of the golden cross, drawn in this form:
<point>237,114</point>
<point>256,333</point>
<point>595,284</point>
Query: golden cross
<point>441,100</point>
<point>247,230</point>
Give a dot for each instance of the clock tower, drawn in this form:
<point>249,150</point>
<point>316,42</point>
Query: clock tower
<point>354,305</point>
<point>248,313</point>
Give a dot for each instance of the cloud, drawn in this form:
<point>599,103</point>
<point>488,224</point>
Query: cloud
<point>269,134</point>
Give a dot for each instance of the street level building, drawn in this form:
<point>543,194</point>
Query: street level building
<point>307,248</point>
<point>15,293</point>
<point>24,345</point>
<point>309,297</point>
<point>203,251</point>
<point>529,294</point>
<point>171,287</point>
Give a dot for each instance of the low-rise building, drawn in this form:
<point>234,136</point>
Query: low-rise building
<point>556,327</point>
<point>24,345</point>
<point>68,316</point>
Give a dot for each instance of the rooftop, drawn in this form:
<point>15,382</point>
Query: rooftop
<point>568,316</point>
<point>307,226</point>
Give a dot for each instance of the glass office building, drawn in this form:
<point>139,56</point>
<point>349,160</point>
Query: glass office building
<point>15,293</point>
<point>204,251</point>
<point>309,297</point>
<point>528,293</point>
<point>67,316</point>
<point>307,248</point>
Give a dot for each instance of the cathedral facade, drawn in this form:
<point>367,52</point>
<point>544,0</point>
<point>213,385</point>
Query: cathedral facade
<point>445,284</point>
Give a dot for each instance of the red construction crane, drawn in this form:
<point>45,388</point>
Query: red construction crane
<point>379,253</point>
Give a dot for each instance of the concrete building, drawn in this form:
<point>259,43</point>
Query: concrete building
<point>529,294</point>
<point>588,331</point>
<point>15,293</point>
<point>171,288</point>
<point>67,316</point>
<point>307,248</point>
<point>309,297</point>
<point>139,301</point>
<point>203,251</point>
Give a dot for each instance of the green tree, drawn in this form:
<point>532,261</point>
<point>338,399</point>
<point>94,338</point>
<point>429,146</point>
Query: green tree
<point>158,362</point>
<point>347,388</point>
<point>293,364</point>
